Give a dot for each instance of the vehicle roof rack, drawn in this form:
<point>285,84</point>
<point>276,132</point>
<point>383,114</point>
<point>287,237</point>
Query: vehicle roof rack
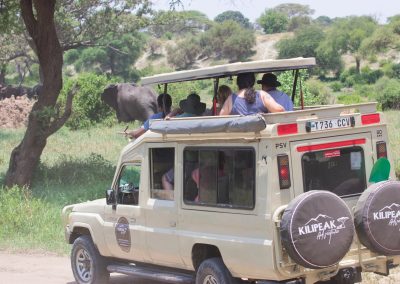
<point>232,69</point>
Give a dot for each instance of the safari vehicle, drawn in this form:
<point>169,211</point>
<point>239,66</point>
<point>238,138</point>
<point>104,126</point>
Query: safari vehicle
<point>292,197</point>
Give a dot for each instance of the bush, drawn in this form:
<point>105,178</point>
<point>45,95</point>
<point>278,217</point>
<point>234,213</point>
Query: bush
<point>392,70</point>
<point>87,108</point>
<point>349,99</point>
<point>336,86</point>
<point>388,93</point>
<point>184,54</point>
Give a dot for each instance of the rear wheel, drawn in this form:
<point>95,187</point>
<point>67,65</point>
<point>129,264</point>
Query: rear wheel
<point>214,271</point>
<point>88,266</point>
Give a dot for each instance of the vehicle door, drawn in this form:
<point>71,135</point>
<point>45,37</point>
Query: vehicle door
<point>124,220</point>
<point>161,208</point>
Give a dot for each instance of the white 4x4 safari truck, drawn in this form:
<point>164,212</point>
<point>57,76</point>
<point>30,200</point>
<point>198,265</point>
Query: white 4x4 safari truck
<point>293,197</point>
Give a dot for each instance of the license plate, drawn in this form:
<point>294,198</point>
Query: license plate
<point>327,124</point>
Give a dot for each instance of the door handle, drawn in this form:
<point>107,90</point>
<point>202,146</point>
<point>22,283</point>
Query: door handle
<point>172,224</point>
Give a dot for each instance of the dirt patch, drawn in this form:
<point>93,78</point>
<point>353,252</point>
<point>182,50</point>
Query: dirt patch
<point>14,111</point>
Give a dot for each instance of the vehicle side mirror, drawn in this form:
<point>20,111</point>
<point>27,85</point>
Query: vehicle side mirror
<point>110,197</point>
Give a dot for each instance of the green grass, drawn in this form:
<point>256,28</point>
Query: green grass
<point>76,166</point>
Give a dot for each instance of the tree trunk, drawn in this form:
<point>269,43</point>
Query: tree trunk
<point>358,64</point>
<point>42,122</point>
<point>3,75</point>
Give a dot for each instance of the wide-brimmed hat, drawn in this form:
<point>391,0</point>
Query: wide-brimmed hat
<point>269,79</point>
<point>192,105</point>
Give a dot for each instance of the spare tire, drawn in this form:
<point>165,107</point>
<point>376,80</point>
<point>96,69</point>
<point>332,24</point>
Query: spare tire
<point>317,229</point>
<point>377,217</point>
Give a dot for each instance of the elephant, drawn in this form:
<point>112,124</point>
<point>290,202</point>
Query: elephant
<point>130,101</point>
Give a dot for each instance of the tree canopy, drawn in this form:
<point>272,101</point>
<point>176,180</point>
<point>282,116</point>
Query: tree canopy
<point>234,16</point>
<point>273,21</point>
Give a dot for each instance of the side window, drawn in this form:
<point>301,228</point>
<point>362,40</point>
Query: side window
<point>162,173</point>
<point>223,178</point>
<point>128,185</point>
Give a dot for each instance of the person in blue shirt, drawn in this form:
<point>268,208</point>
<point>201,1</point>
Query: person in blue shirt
<point>269,83</point>
<point>164,103</point>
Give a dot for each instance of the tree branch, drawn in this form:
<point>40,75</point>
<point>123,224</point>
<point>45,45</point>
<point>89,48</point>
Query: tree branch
<point>29,18</point>
<point>58,123</point>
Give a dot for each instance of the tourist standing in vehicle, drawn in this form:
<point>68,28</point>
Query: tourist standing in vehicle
<point>249,101</point>
<point>164,103</point>
<point>269,83</point>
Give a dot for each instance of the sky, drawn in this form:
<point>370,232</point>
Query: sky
<point>252,9</point>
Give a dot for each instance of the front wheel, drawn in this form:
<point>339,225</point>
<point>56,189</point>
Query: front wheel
<point>214,271</point>
<point>88,266</point>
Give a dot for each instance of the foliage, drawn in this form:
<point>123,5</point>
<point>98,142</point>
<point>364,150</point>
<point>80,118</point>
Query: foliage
<point>298,22</point>
<point>294,10</point>
<point>349,99</point>
<point>350,77</point>
<point>228,40</point>
<point>115,56</point>
<point>388,93</point>
<point>234,16</point>
<point>88,108</point>
<point>303,44</point>
<point>392,70</point>
<point>347,35</point>
<point>273,21</point>
<point>178,23</point>
<point>323,21</point>
<point>336,86</point>
<point>381,40</point>
<point>184,54</point>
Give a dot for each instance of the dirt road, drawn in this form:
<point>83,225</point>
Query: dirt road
<point>46,269</point>
<point>50,269</point>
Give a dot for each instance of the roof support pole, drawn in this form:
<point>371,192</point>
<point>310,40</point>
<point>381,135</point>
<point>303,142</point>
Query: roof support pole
<point>296,76</point>
<point>163,101</point>
<point>216,83</point>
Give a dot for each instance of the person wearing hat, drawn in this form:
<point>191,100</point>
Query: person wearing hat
<point>191,106</point>
<point>248,101</point>
<point>269,83</point>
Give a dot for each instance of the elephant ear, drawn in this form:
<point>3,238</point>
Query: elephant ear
<point>109,95</point>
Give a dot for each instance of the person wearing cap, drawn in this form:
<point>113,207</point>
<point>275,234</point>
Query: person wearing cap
<point>249,101</point>
<point>164,102</point>
<point>269,83</point>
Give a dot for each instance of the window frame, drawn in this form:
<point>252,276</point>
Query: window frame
<point>150,147</point>
<point>219,148</point>
<point>116,186</point>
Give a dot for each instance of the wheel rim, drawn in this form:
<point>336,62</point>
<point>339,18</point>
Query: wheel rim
<point>209,279</point>
<point>83,265</point>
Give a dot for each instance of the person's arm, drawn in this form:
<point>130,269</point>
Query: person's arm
<point>136,133</point>
<point>270,103</point>
<point>173,113</point>
<point>227,107</point>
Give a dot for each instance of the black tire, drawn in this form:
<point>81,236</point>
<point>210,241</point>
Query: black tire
<point>88,266</point>
<point>214,271</point>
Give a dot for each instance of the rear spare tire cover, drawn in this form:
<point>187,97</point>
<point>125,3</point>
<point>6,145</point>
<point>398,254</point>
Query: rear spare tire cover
<point>377,217</point>
<point>317,229</point>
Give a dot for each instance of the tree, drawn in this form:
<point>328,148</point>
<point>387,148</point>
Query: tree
<point>178,22</point>
<point>294,10</point>
<point>347,35</point>
<point>46,116</point>
<point>273,21</point>
<point>323,21</point>
<point>184,54</point>
<point>234,16</point>
<point>228,40</point>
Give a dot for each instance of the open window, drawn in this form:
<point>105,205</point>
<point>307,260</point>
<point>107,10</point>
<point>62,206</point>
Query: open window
<point>162,173</point>
<point>221,178</point>
<point>128,185</point>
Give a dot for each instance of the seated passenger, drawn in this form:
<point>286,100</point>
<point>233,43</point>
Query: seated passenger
<point>164,103</point>
<point>249,101</point>
<point>189,107</point>
<point>269,83</point>
<point>223,93</point>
